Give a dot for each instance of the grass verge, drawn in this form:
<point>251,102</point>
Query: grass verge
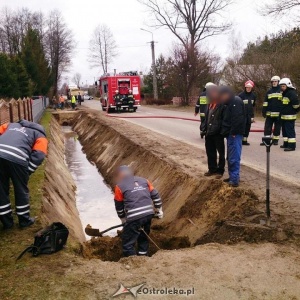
<point>31,278</point>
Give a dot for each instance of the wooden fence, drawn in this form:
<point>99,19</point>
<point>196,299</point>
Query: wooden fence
<point>22,109</point>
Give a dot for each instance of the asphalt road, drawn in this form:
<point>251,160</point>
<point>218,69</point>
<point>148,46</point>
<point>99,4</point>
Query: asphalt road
<point>284,165</point>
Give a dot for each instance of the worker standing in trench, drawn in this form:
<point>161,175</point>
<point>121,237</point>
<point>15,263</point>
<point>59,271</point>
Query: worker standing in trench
<point>134,201</point>
<point>23,147</point>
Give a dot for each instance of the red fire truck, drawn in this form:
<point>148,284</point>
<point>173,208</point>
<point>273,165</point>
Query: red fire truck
<point>122,82</point>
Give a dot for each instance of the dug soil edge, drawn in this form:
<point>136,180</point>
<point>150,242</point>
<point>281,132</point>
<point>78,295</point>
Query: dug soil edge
<point>59,204</point>
<point>201,209</point>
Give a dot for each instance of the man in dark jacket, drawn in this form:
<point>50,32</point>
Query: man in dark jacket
<point>233,127</point>
<point>249,99</point>
<point>214,141</point>
<point>202,103</point>
<point>290,108</point>
<point>271,110</point>
<point>79,98</point>
<point>136,203</point>
<point>131,101</point>
<point>23,147</point>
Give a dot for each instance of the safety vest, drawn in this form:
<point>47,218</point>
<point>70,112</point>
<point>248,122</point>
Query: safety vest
<point>73,100</point>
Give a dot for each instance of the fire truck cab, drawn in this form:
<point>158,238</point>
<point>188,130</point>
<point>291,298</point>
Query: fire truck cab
<point>122,82</point>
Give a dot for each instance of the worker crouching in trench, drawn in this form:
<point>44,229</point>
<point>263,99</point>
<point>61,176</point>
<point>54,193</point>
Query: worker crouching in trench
<point>137,202</point>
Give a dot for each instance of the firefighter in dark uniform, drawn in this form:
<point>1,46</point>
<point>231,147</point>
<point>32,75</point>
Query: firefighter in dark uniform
<point>271,110</point>
<point>290,108</point>
<point>118,101</point>
<point>23,147</point>
<point>131,101</point>
<point>249,99</point>
<point>137,202</point>
<point>202,103</point>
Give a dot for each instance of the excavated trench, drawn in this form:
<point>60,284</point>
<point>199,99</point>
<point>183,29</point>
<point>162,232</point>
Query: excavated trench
<point>197,210</point>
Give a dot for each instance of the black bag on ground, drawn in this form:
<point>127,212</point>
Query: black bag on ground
<point>48,240</point>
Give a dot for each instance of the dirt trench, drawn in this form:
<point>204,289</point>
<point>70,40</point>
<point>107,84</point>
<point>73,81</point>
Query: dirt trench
<point>197,210</point>
<point>58,204</point>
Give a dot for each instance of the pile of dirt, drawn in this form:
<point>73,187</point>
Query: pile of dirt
<point>110,248</point>
<point>195,207</point>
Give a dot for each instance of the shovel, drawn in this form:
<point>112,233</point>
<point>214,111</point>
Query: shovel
<point>96,232</point>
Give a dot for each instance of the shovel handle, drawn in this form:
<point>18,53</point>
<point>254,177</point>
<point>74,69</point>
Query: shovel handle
<point>110,228</point>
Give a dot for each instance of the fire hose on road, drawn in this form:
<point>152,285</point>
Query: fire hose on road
<point>166,117</point>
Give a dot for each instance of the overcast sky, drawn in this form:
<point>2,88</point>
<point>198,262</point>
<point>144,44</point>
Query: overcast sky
<point>126,17</point>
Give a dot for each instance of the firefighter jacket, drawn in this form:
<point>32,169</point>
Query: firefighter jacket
<point>201,105</point>
<point>249,100</point>
<point>290,104</point>
<point>273,103</point>
<point>213,120</point>
<point>130,98</point>
<point>234,119</point>
<point>135,198</point>
<point>23,143</point>
<point>118,99</point>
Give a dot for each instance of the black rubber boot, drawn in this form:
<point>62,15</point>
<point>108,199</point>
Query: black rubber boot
<point>25,221</point>
<point>7,221</point>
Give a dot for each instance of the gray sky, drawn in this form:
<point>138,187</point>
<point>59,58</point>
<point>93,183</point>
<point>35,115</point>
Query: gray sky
<point>126,17</point>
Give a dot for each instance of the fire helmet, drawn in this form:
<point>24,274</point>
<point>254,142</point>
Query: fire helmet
<point>275,78</point>
<point>117,91</point>
<point>209,84</point>
<point>249,83</point>
<point>287,82</point>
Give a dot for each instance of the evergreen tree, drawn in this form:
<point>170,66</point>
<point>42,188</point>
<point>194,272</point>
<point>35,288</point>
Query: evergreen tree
<point>8,79</point>
<point>35,62</point>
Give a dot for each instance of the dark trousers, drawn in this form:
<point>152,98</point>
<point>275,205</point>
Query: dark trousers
<point>130,106</point>
<point>214,145</point>
<point>118,107</point>
<point>234,153</point>
<point>73,105</point>
<point>269,123</point>
<point>19,176</point>
<point>247,130</point>
<point>132,233</point>
<point>289,133</point>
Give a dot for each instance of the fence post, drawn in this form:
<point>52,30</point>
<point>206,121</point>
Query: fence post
<point>28,111</point>
<point>24,109</point>
<point>11,113</point>
<point>31,113</point>
<point>19,110</point>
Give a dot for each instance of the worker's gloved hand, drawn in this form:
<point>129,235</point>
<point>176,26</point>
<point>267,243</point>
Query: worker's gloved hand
<point>252,120</point>
<point>159,213</point>
<point>123,220</point>
<point>202,134</point>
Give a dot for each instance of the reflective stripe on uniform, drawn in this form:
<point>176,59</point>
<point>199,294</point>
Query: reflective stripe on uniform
<point>296,106</point>
<point>23,206</point>
<point>289,117</point>
<point>33,165</point>
<point>142,253</point>
<point>139,208</point>
<point>202,114</point>
<point>285,139</point>
<point>293,140</point>
<point>16,149</point>
<point>245,101</point>
<point>5,212</point>
<point>203,100</point>
<point>140,213</point>
<point>13,154</point>
<point>265,104</point>
<point>275,95</point>
<point>275,137</point>
<point>274,114</point>
<point>244,139</point>
<point>22,213</point>
<point>285,100</point>
<point>4,206</point>
<point>197,105</point>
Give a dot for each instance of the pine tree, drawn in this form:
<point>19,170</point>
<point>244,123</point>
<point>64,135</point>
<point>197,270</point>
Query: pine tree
<point>35,62</point>
<point>8,79</point>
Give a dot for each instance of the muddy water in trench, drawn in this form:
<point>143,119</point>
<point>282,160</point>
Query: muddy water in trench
<point>94,199</point>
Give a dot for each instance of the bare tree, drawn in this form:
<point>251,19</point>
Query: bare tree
<point>77,79</point>
<point>191,21</point>
<point>102,48</point>
<point>59,44</point>
<point>279,6</point>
